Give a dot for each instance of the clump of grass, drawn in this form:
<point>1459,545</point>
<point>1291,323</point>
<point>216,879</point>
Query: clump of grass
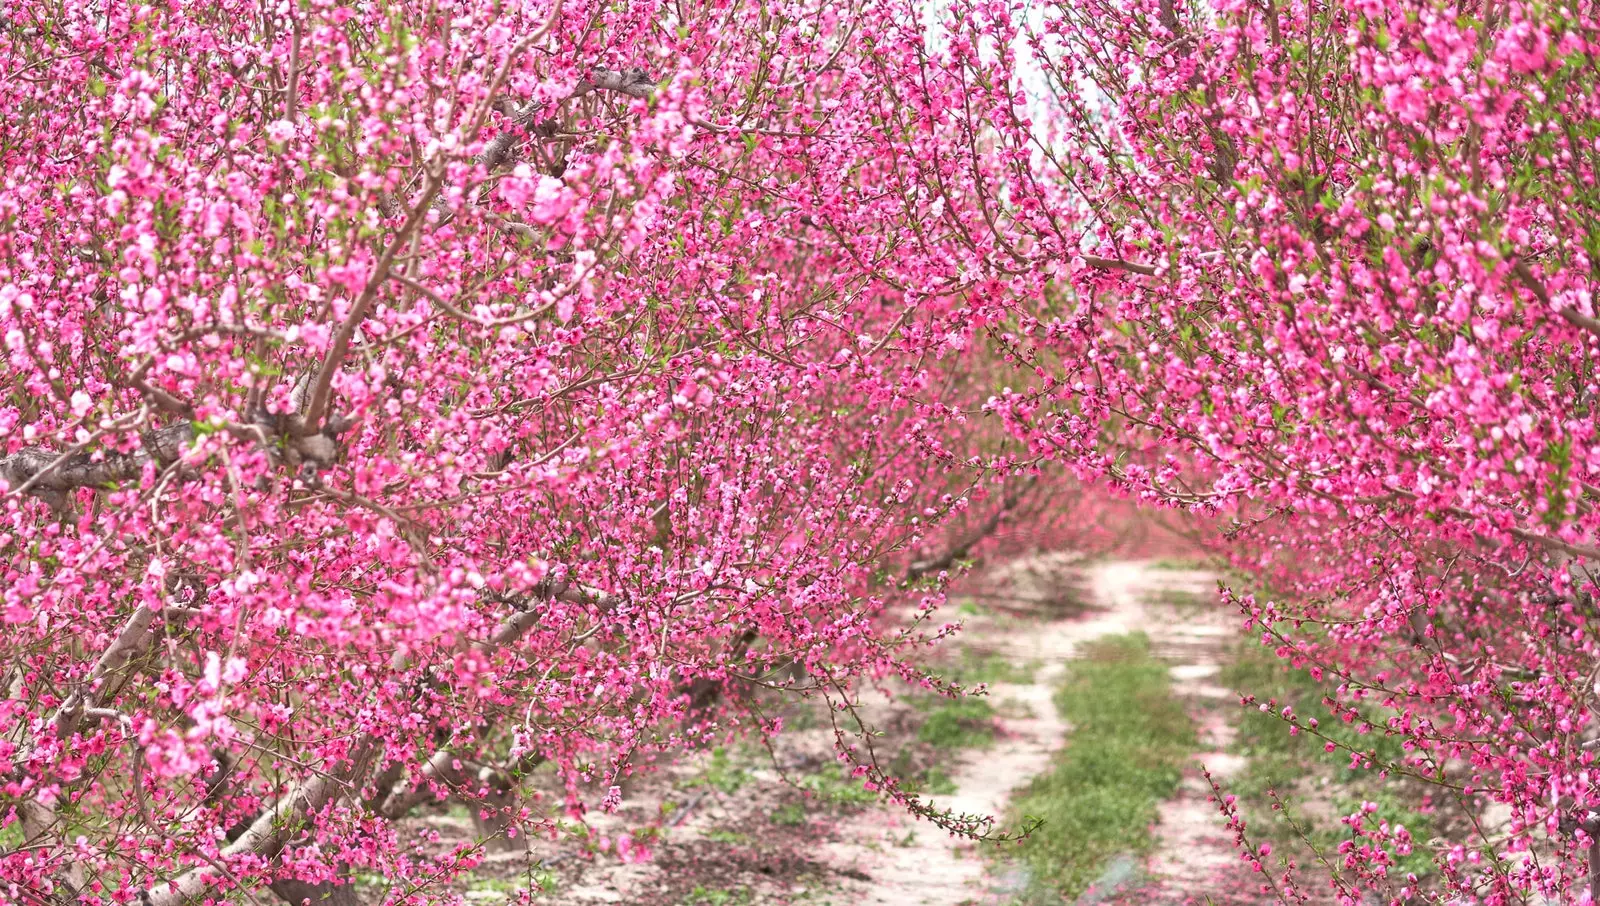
<point>830,786</point>
<point>492,888</point>
<point>726,836</point>
<point>789,814</point>
<point>915,777</point>
<point>1265,737</point>
<point>959,723</point>
<point>719,896</point>
<point>11,836</point>
<point>722,773</point>
<point>1129,743</point>
<point>937,783</point>
<point>1182,599</point>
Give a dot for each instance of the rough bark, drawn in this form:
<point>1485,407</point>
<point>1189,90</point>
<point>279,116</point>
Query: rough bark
<point>49,475</point>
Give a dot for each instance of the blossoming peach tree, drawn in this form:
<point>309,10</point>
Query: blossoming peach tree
<point>1327,271</point>
<point>402,395</point>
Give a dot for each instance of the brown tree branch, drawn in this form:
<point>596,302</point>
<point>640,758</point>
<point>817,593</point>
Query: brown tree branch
<point>322,388</point>
<point>526,618</point>
<point>270,832</point>
<point>33,469</point>
<point>635,83</point>
<point>38,817</point>
<point>1117,264</point>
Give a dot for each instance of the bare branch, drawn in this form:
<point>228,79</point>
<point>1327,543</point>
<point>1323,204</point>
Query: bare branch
<point>571,592</point>
<point>39,815</point>
<point>635,83</point>
<point>1117,264</point>
<point>33,469</point>
<point>128,644</point>
<point>322,387</point>
<point>438,768</point>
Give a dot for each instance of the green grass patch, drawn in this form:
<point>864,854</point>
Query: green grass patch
<point>1181,598</point>
<point>727,836</point>
<point>957,723</point>
<point>719,896</point>
<point>831,785</point>
<point>492,889</point>
<point>722,773</point>
<point>11,836</point>
<point>1265,737</point>
<point>920,778</point>
<point>1129,744</point>
<point>937,783</point>
<point>789,814</point>
<point>828,787</point>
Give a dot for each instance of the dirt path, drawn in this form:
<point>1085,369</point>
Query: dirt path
<point>928,868</point>
<point>1192,848</point>
<point>743,839</point>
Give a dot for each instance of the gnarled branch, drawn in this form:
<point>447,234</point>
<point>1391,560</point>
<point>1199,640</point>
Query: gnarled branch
<point>47,474</point>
